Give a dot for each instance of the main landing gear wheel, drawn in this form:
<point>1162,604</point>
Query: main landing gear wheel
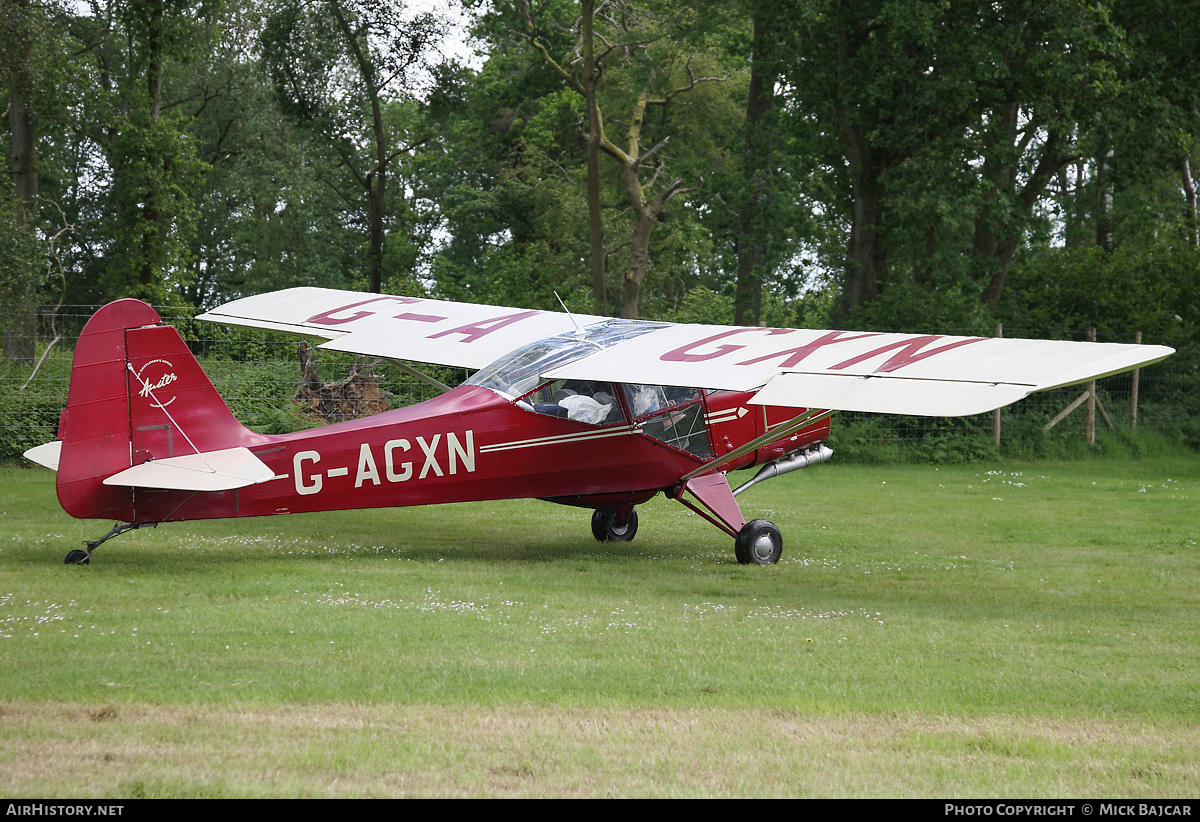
<point>606,529</point>
<point>758,542</point>
<point>77,557</point>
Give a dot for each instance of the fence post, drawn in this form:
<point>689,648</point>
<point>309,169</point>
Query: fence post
<point>1133,388</point>
<point>1089,425</point>
<point>996,413</point>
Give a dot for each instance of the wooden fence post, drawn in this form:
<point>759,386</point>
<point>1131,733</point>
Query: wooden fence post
<point>996,413</point>
<point>1133,388</point>
<point>1089,425</point>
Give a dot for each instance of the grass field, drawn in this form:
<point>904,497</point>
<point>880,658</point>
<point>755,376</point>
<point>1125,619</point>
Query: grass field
<point>1006,630</point>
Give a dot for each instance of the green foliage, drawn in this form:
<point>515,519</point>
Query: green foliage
<point>952,448</point>
<point>155,197</point>
<point>22,277</point>
<point>700,305</point>
<point>1025,438</point>
<point>1153,289</point>
<point>908,307</point>
<point>870,440</point>
<point>1063,292</point>
<point>875,439</point>
<point>247,172</point>
<point>259,391</point>
<point>29,409</point>
<point>261,395</point>
<point>267,218</point>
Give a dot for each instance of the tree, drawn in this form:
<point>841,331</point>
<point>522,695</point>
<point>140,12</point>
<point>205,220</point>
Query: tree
<point>875,84</point>
<point>264,219</point>
<point>1052,69</point>
<point>339,88</point>
<point>659,75</point>
<point>30,63</point>
<point>1154,124</point>
<point>939,111</point>
<point>129,50</point>
<point>757,166</point>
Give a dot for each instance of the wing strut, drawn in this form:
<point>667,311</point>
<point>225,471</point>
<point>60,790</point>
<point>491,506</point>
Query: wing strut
<point>778,432</point>
<point>423,377</point>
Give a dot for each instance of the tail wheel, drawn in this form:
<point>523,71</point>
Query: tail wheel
<point>759,542</point>
<point>77,557</point>
<point>605,527</point>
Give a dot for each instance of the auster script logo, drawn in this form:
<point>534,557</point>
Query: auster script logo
<point>149,387</point>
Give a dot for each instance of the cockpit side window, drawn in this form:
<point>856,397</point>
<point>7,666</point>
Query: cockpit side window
<point>645,400</point>
<point>671,414</point>
<point>594,403</point>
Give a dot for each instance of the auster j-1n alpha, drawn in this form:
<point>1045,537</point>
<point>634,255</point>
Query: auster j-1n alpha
<point>586,411</point>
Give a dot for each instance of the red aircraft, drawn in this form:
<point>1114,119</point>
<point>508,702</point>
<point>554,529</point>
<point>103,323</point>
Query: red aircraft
<point>593,412</point>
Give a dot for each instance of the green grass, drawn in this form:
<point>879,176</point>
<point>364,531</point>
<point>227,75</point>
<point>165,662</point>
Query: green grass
<point>970,630</point>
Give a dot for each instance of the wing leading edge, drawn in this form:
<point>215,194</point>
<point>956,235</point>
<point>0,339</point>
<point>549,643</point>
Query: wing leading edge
<point>920,374</point>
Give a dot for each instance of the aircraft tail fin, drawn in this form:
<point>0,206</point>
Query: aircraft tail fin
<point>137,394</point>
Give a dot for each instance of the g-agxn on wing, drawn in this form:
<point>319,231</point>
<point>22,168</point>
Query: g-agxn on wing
<point>593,412</point>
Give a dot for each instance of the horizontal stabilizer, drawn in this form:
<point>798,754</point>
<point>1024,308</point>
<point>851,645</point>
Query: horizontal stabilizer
<point>883,394</point>
<point>46,454</point>
<point>211,471</point>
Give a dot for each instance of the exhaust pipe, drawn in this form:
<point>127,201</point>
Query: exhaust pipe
<point>791,462</point>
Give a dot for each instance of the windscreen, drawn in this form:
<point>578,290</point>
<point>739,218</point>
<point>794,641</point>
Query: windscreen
<point>519,372</point>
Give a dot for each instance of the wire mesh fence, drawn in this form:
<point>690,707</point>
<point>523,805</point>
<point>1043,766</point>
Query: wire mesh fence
<point>263,378</point>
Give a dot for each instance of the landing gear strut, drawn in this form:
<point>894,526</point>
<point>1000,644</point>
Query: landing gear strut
<point>78,557</point>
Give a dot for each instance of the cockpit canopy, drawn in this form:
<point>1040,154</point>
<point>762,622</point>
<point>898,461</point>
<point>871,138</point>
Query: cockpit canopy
<point>669,414</point>
<point>520,372</point>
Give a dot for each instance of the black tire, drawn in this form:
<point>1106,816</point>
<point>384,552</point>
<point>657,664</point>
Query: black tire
<point>759,543</point>
<point>77,557</point>
<point>605,528</point>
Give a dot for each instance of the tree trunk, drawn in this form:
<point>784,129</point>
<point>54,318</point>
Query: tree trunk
<point>376,204</point>
<point>374,182</point>
<point>752,243</point>
<point>1006,250</point>
<point>994,250</point>
<point>595,221</point>
<point>24,143</point>
<point>639,258</point>
<point>148,264</point>
<point>866,254</point>
<point>20,340</point>
<point>1189,190</point>
<point>1104,229</point>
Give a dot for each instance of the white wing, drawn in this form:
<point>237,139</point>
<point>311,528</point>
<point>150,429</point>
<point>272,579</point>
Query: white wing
<point>404,328</point>
<point>923,374</point>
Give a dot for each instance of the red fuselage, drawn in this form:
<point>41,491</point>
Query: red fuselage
<point>471,444</point>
